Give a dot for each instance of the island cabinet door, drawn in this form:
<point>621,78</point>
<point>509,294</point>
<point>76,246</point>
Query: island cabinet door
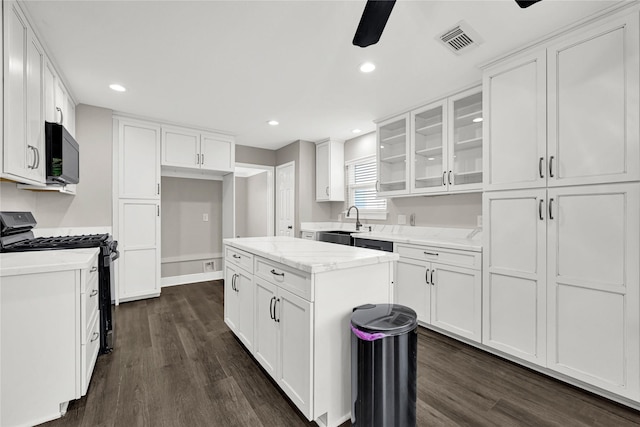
<point>265,345</point>
<point>244,288</point>
<point>294,317</point>
<point>231,307</point>
<point>412,287</point>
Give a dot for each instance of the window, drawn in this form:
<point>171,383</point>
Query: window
<point>361,188</point>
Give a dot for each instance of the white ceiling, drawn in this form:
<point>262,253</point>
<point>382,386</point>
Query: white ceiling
<point>234,65</point>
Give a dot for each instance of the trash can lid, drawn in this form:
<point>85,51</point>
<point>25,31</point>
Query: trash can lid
<point>390,319</point>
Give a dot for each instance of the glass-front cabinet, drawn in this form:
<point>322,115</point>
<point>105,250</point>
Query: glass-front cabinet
<point>465,140</point>
<point>393,142</point>
<point>428,148</point>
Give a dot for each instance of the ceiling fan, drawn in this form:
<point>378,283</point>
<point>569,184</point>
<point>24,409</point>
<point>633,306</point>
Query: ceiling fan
<point>376,14</point>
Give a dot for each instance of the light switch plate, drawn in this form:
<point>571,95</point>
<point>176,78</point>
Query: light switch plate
<point>205,217</point>
<point>402,219</point>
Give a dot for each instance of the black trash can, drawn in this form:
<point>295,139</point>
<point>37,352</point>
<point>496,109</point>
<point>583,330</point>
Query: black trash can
<point>384,345</point>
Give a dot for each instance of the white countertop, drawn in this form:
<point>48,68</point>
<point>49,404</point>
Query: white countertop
<point>17,263</point>
<point>467,239</point>
<point>309,255</point>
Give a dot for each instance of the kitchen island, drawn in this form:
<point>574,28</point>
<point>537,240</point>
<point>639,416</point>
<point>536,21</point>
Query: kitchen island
<point>289,302</point>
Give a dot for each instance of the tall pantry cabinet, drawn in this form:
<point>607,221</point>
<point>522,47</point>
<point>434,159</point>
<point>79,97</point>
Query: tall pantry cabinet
<point>137,227</point>
<point>562,205</point>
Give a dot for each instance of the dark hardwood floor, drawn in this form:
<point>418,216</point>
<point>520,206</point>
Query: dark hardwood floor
<point>177,364</point>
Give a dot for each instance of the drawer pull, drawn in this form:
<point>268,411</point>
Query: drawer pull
<point>236,256</point>
<point>431,253</point>
<point>93,269</point>
<point>95,336</point>
<point>276,274</point>
<point>93,293</point>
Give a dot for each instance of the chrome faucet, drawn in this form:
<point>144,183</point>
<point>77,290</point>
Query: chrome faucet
<point>358,224</point>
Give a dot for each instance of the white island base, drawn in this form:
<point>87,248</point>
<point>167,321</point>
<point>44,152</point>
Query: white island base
<point>289,301</point>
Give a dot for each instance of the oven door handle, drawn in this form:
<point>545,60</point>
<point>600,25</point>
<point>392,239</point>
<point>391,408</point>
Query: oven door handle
<point>115,254</point>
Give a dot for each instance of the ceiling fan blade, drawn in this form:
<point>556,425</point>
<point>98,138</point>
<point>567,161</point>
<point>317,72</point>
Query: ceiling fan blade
<point>526,3</point>
<point>374,18</point>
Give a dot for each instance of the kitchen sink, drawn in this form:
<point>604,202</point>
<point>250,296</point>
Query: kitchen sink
<point>342,237</point>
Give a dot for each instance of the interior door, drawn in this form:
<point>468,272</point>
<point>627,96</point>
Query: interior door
<point>285,199</point>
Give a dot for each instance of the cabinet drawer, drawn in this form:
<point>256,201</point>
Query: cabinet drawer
<point>309,235</point>
<point>90,353</point>
<point>89,301</point>
<point>444,256</point>
<point>239,258</point>
<point>295,281</point>
<point>87,276</point>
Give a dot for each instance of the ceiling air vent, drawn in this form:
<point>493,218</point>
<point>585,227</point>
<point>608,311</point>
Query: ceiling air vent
<point>460,38</point>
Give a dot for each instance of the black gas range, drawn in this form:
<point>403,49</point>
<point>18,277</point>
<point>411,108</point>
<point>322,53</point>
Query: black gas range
<point>16,235</point>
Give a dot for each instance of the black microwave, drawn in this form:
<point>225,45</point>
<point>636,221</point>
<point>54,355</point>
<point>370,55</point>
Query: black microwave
<point>63,155</point>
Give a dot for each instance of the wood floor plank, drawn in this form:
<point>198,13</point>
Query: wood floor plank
<point>177,364</point>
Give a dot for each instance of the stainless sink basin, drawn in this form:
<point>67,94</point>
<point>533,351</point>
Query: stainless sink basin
<point>342,237</point>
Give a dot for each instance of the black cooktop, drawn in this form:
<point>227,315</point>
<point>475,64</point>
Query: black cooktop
<point>62,242</point>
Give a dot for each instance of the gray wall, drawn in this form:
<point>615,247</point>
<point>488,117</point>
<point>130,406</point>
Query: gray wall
<point>256,220</point>
<point>255,156</point>
<point>184,233</point>
<point>451,210</point>
<point>92,205</point>
<point>306,207</point>
<point>241,207</point>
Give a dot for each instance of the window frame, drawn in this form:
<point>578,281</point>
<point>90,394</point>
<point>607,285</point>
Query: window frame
<point>375,214</point>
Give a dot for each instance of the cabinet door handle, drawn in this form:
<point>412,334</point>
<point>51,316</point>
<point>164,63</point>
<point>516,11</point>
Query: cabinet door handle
<point>540,209</point>
<point>158,189</point>
<point>158,209</point>
<point>432,282</point>
<point>37,157</point>
<point>272,312</point>
<point>202,159</point>
<point>33,162</point>
<point>377,185</point>
<point>61,115</point>
<point>93,293</point>
<point>273,271</point>
<point>444,174</point>
<point>551,167</point>
<point>236,256</point>
<point>233,282</point>
<point>431,253</point>
<point>550,208</point>
<point>95,336</point>
<point>327,191</point>
<point>540,168</point>
<point>426,276</point>
<point>93,269</point>
<point>197,158</point>
<point>450,183</point>
<point>277,319</point>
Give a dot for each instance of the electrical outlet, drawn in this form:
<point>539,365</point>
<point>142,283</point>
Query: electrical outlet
<point>479,220</point>
<point>205,217</point>
<point>209,266</point>
<point>402,219</point>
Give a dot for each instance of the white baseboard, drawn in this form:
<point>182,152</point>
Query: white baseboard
<point>190,278</point>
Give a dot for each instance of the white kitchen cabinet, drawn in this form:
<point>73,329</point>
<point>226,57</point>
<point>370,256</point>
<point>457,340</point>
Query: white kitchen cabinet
<point>593,285</point>
<point>330,171</point>
<point>446,145</point>
<point>192,149</point>
<point>44,307</point>
<point>239,308</point>
<point>593,122</point>
<point>266,342</point>
<point>393,145</point>
<point>58,104</point>
<point>139,243</point>
<point>23,149</point>
<point>515,128</point>
<point>514,285</point>
<point>562,115</point>
<point>444,287</point>
<point>138,160</point>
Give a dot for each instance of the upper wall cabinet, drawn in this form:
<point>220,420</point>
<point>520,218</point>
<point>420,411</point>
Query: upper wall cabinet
<point>564,115</point>
<point>184,148</point>
<point>138,160</point>
<point>58,105</point>
<point>330,171</point>
<point>23,149</point>
<point>444,148</point>
<point>392,151</point>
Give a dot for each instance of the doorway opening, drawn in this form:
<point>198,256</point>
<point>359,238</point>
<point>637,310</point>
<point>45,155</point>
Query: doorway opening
<point>254,200</point>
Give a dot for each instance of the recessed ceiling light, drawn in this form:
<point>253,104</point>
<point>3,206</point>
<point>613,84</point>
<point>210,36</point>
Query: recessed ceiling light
<point>431,158</point>
<point>117,88</point>
<point>367,67</point>
<point>356,131</point>
<point>477,120</point>
<point>273,122</point>
<point>382,146</point>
